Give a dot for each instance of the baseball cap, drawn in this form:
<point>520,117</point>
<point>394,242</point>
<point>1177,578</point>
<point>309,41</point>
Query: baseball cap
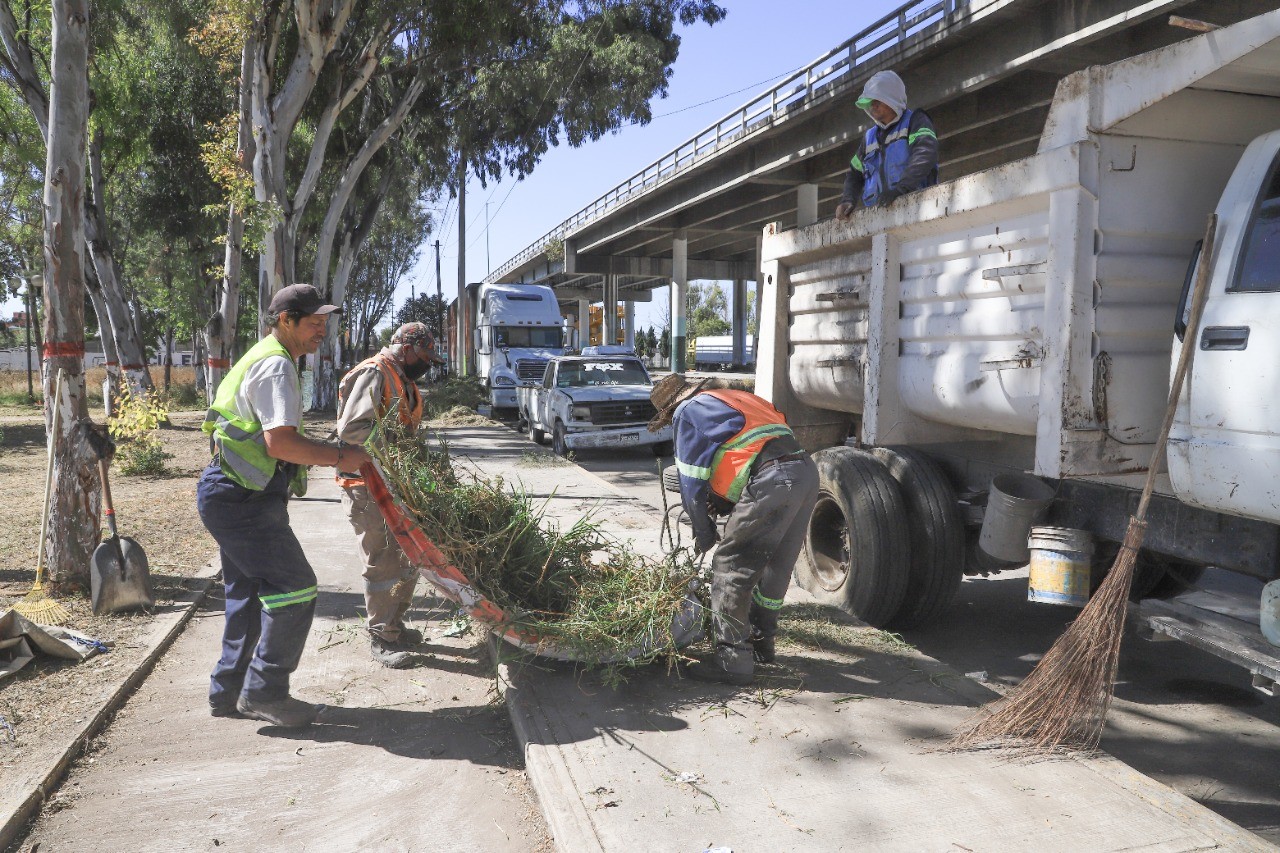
<point>302,298</point>
<point>417,335</point>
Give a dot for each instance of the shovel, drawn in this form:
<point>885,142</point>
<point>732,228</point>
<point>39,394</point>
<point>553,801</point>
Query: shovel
<point>119,578</point>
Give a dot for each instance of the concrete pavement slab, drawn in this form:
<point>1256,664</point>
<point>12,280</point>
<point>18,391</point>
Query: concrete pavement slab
<point>415,760</point>
<point>836,748</point>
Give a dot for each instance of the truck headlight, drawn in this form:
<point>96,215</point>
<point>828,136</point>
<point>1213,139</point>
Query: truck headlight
<point>503,382</point>
<point>581,411</point>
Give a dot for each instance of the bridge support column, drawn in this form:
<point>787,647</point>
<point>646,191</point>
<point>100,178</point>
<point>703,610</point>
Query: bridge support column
<point>739,330</point>
<point>679,292</point>
<point>629,323</point>
<point>806,205</point>
<point>584,323</point>
<point>609,330</point>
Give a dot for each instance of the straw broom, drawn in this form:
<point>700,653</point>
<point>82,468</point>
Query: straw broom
<point>1064,702</point>
<point>37,605</point>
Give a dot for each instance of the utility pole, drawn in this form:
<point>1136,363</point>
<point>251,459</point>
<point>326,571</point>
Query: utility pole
<point>440,298</point>
<point>462,246</point>
<point>488,263</point>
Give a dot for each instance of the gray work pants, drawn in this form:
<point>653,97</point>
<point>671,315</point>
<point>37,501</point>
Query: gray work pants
<point>762,540</point>
<point>389,578</point>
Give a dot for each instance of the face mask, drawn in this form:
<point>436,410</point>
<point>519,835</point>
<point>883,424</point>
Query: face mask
<point>417,370</point>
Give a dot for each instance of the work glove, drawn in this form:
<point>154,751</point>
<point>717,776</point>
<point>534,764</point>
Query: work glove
<point>844,210</point>
<point>705,543</point>
<point>888,197</point>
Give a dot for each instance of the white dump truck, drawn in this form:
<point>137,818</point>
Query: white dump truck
<point>518,329</point>
<point>1022,322</point>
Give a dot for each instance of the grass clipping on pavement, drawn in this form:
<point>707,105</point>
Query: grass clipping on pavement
<point>579,591</point>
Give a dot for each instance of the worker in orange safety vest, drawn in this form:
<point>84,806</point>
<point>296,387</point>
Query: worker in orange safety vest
<point>377,386</point>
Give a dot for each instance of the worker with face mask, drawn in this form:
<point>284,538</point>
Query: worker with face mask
<point>898,153</point>
<point>379,385</point>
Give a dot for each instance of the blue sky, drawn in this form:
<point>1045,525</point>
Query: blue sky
<point>719,69</point>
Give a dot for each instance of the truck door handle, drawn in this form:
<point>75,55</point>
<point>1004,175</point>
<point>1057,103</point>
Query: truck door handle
<point>1225,337</point>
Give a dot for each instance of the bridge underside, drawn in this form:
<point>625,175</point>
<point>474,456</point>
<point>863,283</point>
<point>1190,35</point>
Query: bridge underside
<point>986,75</point>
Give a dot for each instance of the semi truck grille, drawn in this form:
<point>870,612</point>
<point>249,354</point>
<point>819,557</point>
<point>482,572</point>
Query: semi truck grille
<point>603,414</point>
<point>530,369</point>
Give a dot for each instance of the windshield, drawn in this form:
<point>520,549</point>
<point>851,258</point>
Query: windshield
<point>527,336</point>
<point>583,374</point>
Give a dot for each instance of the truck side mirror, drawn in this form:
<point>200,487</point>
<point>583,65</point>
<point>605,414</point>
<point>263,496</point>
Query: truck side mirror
<point>479,335</point>
<point>1184,299</point>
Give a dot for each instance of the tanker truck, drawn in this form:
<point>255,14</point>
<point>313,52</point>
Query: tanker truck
<point>1016,329</point>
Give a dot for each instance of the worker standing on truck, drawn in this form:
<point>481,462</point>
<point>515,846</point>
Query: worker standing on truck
<point>378,385</point>
<point>737,456</point>
<point>898,154</point>
<point>260,457</point>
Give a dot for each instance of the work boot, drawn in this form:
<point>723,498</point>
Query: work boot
<point>287,713</point>
<point>711,668</point>
<point>393,655</point>
<point>762,647</point>
<point>220,710</point>
<point>764,625</point>
<point>409,636</point>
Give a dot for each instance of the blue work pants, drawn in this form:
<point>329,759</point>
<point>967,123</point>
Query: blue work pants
<point>270,587</point>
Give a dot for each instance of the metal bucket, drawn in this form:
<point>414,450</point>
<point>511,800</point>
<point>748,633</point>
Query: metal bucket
<point>1269,620</point>
<point>1014,504</point>
<point>1061,559</point>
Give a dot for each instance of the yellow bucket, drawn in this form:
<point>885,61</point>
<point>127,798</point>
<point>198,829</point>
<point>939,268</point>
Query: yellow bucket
<point>1061,559</point>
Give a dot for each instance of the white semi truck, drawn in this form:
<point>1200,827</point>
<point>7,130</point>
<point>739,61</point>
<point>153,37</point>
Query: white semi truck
<point>1024,320</point>
<point>518,329</point>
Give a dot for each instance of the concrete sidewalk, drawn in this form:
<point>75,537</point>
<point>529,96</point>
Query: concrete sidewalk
<point>413,760</point>
<point>831,750</point>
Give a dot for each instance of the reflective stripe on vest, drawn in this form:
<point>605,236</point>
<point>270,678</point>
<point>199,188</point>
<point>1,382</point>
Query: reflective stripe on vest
<point>393,392</point>
<point>731,466</point>
<point>239,442</point>
<point>883,163</point>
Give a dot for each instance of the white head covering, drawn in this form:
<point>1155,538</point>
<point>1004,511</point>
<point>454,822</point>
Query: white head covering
<point>887,88</point>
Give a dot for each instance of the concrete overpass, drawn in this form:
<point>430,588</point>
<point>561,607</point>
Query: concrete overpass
<point>985,70</point>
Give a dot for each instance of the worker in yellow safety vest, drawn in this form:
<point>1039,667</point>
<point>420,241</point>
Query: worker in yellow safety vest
<point>736,456</point>
<point>379,385</point>
<point>260,457</point>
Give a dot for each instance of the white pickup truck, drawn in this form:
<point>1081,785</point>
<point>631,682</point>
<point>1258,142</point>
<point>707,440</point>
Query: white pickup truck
<point>592,401</point>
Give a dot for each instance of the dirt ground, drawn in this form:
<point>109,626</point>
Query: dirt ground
<point>47,697</point>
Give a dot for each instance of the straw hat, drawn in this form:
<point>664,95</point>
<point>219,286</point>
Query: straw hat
<point>670,392</point>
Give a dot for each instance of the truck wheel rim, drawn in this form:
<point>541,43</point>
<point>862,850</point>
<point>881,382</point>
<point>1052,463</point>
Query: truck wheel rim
<point>829,543</point>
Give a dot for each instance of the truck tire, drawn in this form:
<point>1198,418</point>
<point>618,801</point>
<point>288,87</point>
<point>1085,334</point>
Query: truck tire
<point>671,479</point>
<point>538,436</point>
<point>856,550</point>
<point>1158,576</point>
<point>558,443</point>
<point>936,534</point>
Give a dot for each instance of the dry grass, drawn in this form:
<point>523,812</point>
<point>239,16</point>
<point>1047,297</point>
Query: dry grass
<point>14,400</point>
<point>43,701</point>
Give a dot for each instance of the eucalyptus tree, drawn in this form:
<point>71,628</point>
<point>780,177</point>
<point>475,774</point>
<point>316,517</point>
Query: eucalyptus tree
<point>501,80</point>
<point>25,69</point>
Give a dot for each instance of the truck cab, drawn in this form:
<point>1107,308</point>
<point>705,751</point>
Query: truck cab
<point>518,330</point>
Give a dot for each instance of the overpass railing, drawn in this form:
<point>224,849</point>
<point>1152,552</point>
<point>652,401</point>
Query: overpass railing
<point>823,75</point>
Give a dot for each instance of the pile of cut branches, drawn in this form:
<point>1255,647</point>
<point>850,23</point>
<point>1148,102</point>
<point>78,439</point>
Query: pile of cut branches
<point>578,591</point>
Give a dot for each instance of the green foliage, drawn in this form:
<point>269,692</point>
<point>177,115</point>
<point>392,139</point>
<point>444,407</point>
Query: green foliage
<point>574,590</point>
<point>134,425</point>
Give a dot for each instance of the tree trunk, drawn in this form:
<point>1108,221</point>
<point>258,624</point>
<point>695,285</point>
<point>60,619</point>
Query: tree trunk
<point>104,329</point>
<point>324,389</point>
<point>220,333</point>
<point>74,513</point>
<point>132,355</point>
